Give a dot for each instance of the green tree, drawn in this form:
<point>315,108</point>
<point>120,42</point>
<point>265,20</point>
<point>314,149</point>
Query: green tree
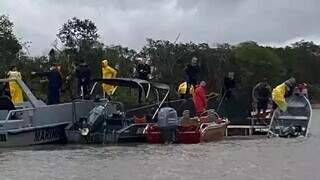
<point>256,62</point>
<point>80,38</point>
<point>77,33</point>
<point>9,44</point>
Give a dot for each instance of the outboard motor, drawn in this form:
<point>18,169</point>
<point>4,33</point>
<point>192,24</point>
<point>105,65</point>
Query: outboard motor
<point>95,121</point>
<point>168,121</point>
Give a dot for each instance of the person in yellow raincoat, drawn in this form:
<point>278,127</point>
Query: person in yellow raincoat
<point>15,90</point>
<point>182,89</point>
<point>279,93</point>
<point>108,72</point>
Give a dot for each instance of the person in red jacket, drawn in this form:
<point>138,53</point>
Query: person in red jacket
<point>199,98</point>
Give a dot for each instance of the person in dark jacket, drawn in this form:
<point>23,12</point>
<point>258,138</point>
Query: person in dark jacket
<point>192,72</point>
<point>6,90</point>
<point>5,101</point>
<point>229,84</point>
<point>261,95</point>
<point>143,69</point>
<point>55,83</point>
<point>83,74</point>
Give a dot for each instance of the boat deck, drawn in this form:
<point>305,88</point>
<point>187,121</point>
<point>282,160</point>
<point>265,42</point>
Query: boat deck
<point>248,130</point>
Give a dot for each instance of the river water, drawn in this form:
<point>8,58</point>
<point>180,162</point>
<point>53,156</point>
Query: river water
<point>231,159</point>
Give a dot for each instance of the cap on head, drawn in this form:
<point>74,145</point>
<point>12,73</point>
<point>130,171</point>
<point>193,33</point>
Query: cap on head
<point>230,74</point>
<point>105,62</point>
<point>290,82</point>
<point>194,60</point>
<point>141,60</point>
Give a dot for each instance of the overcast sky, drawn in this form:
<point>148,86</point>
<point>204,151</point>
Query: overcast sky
<point>130,22</point>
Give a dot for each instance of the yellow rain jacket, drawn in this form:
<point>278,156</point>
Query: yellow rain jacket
<point>183,88</point>
<point>15,90</point>
<point>107,73</point>
<point>278,96</point>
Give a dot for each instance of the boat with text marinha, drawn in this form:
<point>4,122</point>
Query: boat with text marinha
<point>34,122</point>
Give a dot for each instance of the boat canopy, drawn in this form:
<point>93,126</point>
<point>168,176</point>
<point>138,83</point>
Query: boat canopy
<point>161,86</point>
<point>142,85</point>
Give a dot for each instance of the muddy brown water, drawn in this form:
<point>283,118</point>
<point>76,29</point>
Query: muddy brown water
<point>256,158</point>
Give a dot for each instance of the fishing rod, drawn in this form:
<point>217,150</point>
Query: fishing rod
<point>221,101</point>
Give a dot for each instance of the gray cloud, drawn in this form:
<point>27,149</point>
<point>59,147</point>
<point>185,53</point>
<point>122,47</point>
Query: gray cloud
<point>130,22</point>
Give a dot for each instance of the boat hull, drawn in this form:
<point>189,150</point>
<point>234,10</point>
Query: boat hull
<point>129,134</point>
<point>33,136</point>
<point>213,132</point>
<point>293,122</point>
<point>207,132</point>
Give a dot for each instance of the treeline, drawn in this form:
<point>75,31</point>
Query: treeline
<point>249,61</point>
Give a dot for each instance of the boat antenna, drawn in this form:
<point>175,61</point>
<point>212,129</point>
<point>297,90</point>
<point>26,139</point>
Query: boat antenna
<point>177,38</point>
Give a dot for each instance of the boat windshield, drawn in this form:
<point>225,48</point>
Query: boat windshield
<point>29,100</point>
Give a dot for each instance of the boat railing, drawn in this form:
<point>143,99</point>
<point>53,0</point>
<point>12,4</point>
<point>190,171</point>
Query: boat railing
<point>17,111</point>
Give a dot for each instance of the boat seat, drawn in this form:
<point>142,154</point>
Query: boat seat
<point>293,117</point>
<point>186,122</point>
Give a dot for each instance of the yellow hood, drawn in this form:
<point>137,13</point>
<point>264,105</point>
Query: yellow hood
<point>104,63</point>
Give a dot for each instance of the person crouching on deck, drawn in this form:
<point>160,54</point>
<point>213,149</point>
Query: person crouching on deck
<point>281,92</point>
<point>199,98</point>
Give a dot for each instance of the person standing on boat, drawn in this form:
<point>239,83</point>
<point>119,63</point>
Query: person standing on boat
<point>143,69</point>
<point>229,85</point>
<point>54,85</point>
<point>261,95</point>
<point>199,98</point>
<point>281,92</point>
<point>107,73</point>
<point>83,74</point>
<point>15,90</point>
<point>192,72</point>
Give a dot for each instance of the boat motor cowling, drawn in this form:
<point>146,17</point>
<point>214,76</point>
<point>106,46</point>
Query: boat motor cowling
<point>95,120</point>
<point>168,121</point>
